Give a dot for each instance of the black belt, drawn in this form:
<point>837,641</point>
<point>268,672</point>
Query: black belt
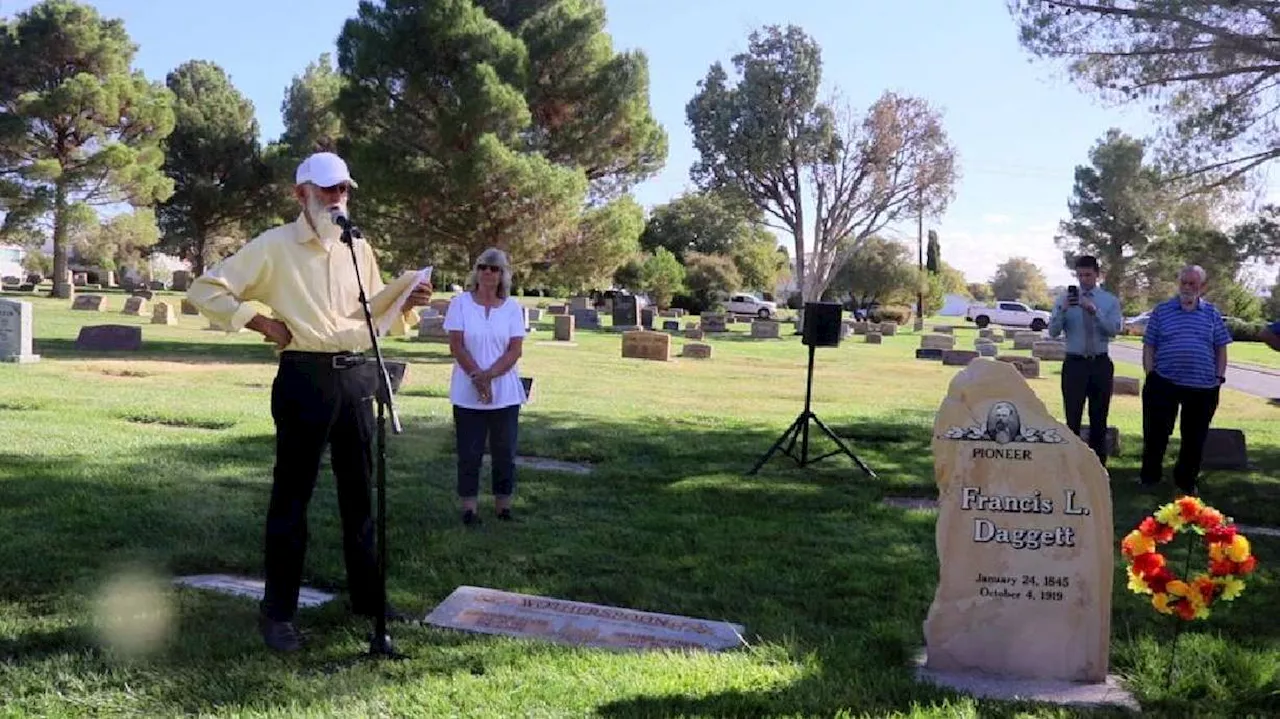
<point>1100,355</point>
<point>334,360</point>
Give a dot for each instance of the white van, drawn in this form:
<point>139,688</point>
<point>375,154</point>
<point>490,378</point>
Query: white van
<point>11,257</point>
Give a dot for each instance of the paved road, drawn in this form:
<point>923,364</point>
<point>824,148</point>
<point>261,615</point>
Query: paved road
<point>1257,381</point>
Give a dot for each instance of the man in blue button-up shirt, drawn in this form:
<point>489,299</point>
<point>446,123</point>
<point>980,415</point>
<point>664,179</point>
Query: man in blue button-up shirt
<point>1090,317</point>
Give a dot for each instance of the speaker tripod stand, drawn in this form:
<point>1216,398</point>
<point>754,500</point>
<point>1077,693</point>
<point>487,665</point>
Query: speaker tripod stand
<point>799,430</point>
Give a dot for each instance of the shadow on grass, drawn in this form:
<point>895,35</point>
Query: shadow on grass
<point>810,561</point>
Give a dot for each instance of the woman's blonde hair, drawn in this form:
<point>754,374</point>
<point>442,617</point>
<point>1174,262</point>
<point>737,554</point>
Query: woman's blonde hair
<point>491,256</point>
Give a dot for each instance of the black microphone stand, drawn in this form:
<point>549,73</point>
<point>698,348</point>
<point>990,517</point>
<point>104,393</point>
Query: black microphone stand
<point>380,644</point>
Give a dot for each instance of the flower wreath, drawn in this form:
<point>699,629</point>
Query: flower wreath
<point>1229,559</point>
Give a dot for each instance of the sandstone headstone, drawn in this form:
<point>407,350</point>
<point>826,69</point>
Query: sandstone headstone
<point>644,344</point>
<point>626,311</point>
<point>1126,385</point>
<point>163,314</point>
<point>432,329</point>
<point>937,342</point>
<point>888,329</point>
<point>181,280</point>
<point>1049,351</point>
<point>1113,439</point>
<point>766,329</point>
<point>874,338</point>
<point>1225,449</point>
<point>696,350</point>
<point>16,330</point>
<point>958,358</point>
<point>188,308</point>
<point>929,354</point>
<point>713,323</point>
<point>585,319</point>
<point>90,303</point>
<point>135,306</point>
<point>109,338</point>
<point>694,333</point>
<point>1024,537</point>
<point>564,328</point>
<point>1029,367</point>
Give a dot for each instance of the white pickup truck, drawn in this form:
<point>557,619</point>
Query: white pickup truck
<point>1007,314</point>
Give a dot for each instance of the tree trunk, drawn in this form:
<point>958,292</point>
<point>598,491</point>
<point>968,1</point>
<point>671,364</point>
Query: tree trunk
<point>61,287</point>
<point>197,257</point>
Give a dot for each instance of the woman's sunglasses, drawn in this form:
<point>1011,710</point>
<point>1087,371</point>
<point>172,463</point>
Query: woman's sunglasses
<point>491,268</point>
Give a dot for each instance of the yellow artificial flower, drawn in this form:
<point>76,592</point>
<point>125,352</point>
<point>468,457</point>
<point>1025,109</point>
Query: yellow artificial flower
<point>1239,549</point>
<point>1231,588</point>
<point>1171,514</point>
<point>1178,588</point>
<point>1137,584</point>
<point>1217,552</point>
<point>1138,543</point>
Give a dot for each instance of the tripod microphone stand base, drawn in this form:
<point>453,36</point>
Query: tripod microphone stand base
<point>383,648</point>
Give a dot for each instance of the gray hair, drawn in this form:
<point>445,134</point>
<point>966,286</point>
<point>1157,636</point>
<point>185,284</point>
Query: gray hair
<point>1196,269</point>
<point>491,256</point>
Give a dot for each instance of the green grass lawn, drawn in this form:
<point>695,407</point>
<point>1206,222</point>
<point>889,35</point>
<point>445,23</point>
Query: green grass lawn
<point>159,462</point>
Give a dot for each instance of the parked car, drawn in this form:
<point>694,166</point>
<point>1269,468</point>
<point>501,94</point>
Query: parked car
<point>1137,324</point>
<point>1007,314</point>
<point>744,304</point>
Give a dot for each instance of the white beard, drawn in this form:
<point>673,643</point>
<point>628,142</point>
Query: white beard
<point>322,222</point>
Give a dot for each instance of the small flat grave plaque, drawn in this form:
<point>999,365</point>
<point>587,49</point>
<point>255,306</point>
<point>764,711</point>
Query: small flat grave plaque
<point>489,611</point>
<point>247,587</point>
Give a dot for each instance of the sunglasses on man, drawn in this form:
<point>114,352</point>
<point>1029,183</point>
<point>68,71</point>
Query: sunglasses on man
<point>490,268</point>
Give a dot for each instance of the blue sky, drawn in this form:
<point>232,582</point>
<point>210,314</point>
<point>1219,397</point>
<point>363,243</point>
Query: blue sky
<point>1020,127</point>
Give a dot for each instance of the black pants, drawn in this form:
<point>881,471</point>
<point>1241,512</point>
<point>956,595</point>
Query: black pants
<point>314,405</point>
<point>472,427</point>
<point>1089,379</point>
<point>1161,400</point>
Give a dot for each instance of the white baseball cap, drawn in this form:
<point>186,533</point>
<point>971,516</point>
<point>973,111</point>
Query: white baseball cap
<point>324,169</point>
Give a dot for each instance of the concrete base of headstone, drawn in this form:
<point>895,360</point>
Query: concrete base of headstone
<point>987,686</point>
<point>874,338</point>
<point>1225,449</point>
<point>1126,385</point>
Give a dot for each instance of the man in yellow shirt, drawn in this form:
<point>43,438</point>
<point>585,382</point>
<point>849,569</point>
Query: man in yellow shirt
<point>324,386</point>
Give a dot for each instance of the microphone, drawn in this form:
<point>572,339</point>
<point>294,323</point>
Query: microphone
<point>339,218</point>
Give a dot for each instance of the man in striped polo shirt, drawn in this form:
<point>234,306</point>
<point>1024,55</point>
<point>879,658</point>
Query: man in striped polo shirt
<point>1185,358</point>
<point>1271,335</point>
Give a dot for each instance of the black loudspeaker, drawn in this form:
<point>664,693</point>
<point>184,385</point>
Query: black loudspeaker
<point>821,324</point>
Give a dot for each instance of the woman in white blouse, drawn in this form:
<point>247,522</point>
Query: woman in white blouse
<point>486,335</point>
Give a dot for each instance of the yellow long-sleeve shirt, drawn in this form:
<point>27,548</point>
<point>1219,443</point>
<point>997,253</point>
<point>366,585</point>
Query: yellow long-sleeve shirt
<point>308,283</point>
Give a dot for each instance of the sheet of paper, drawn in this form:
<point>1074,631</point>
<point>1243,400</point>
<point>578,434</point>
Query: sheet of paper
<point>405,284</point>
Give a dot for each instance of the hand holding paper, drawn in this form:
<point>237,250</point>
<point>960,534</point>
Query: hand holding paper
<point>411,289</point>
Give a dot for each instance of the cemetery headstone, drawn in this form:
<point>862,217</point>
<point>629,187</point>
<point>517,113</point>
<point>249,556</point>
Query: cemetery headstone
<point>937,342</point>
<point>985,333</point>
<point>535,314</point>
<point>647,345</point>
<point>888,329</point>
<point>987,349</point>
<point>557,310</point>
<point>713,322</point>
<point>586,319</point>
<point>135,306</point>
<point>671,325</point>
<point>188,308</point>
<point>181,280</point>
<point>579,303</point>
<point>1028,367</point>
<point>958,358</point>
<point>694,333</point>
<point>109,338</point>
<point>163,314</point>
<point>646,318</point>
<point>1026,340</point>
<point>626,311</point>
<point>80,279</point>
<point>90,303</point>
<point>929,354</point>
<point>1049,351</point>
<point>766,330</point>
<point>144,294</point>
<point>874,338</point>
<point>859,327</point>
<point>564,328</point>
<point>1225,449</point>
<point>944,329</point>
<point>431,329</point>
<point>1126,385</point>
<point>156,285</point>
<point>696,350</point>
<point>1024,537</point>
<point>440,305</point>
<point>16,330</point>
<point>1113,439</point>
